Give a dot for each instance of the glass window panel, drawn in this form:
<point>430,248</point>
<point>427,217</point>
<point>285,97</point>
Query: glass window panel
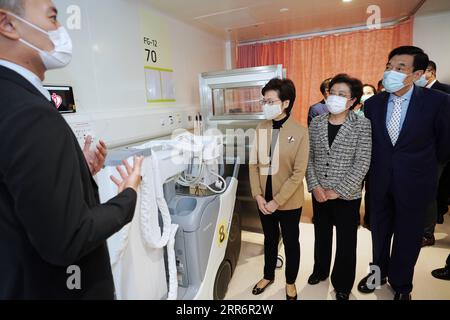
<point>231,101</point>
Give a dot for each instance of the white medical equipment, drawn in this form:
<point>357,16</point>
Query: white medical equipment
<point>195,253</point>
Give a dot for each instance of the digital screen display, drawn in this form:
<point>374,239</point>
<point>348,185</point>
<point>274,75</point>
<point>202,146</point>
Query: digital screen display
<point>62,98</point>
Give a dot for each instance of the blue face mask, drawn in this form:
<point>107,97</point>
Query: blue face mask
<point>422,82</point>
<point>393,81</point>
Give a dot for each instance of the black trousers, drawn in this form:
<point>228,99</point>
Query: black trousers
<point>289,221</point>
<point>345,216</point>
<point>433,212</point>
<point>366,203</point>
<point>397,231</point>
<point>444,193</point>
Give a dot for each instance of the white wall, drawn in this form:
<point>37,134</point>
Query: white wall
<point>432,33</point>
<point>107,71</point>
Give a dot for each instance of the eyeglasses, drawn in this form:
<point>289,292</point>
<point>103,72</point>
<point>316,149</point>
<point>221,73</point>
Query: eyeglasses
<point>270,103</point>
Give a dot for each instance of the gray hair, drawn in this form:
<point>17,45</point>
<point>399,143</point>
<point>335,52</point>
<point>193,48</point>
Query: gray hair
<point>14,6</point>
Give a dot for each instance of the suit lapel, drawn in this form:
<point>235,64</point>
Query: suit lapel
<point>13,76</point>
<point>344,131</point>
<point>264,143</point>
<point>323,132</point>
<point>383,116</point>
<point>413,113</point>
<point>436,85</point>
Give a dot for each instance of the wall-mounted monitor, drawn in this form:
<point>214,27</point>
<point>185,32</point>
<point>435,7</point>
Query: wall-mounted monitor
<point>62,98</point>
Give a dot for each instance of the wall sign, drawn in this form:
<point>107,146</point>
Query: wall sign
<point>158,69</point>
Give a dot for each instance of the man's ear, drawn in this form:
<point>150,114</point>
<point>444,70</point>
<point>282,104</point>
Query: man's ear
<point>418,74</point>
<point>7,28</point>
<point>286,104</point>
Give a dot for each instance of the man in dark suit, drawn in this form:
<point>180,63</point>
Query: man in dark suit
<point>411,136</point>
<point>433,83</point>
<point>440,207</point>
<point>53,230</point>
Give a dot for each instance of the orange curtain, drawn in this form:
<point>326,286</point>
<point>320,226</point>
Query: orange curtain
<point>362,54</point>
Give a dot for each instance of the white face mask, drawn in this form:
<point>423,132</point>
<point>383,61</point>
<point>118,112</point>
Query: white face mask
<point>336,104</point>
<point>272,111</point>
<point>366,97</point>
<point>62,52</point>
<point>393,81</point>
<point>422,82</point>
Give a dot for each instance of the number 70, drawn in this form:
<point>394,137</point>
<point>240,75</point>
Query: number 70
<point>151,54</point>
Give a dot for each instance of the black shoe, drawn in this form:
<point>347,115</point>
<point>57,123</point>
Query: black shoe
<point>289,298</point>
<point>257,291</point>
<point>342,296</point>
<point>363,286</point>
<point>315,279</point>
<point>442,274</point>
<point>402,296</point>
<point>428,241</point>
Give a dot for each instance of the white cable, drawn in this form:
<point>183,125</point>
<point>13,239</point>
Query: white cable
<point>185,183</point>
<point>220,178</point>
<point>117,254</point>
<point>202,165</point>
<point>172,263</point>
<point>147,207</point>
<point>149,230</point>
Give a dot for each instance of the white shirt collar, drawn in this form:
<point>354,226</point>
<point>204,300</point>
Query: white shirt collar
<point>407,96</point>
<point>27,74</point>
<point>431,84</point>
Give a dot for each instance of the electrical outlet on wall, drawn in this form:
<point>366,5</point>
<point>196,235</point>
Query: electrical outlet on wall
<point>178,120</point>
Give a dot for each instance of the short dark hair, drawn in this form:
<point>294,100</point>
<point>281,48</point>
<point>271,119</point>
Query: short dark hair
<point>325,86</point>
<point>286,91</point>
<point>432,65</point>
<point>421,59</point>
<point>14,6</point>
<point>372,86</point>
<point>356,86</point>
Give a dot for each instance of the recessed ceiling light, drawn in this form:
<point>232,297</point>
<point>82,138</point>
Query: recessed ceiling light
<point>346,0</point>
<point>283,10</point>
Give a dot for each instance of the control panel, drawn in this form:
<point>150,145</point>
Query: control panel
<point>82,130</point>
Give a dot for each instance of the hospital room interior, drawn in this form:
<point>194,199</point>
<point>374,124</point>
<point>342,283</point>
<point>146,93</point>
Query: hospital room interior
<point>237,150</point>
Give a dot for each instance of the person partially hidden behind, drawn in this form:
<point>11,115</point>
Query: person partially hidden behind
<point>51,218</point>
<point>438,208</point>
<point>320,107</point>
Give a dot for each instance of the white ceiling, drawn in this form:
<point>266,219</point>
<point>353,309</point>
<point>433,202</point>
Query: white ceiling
<point>248,20</point>
<point>434,6</point>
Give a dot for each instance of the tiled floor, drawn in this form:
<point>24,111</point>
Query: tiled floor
<point>249,270</point>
